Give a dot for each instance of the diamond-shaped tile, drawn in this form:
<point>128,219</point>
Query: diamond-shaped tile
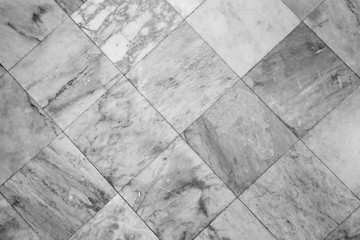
<point>301,80</point>
<point>349,229</point>
<point>127,30</point>
<point>243,31</point>
<point>177,194</point>
<point>239,137</point>
<point>182,77</point>
<point>70,6</point>
<point>299,198</point>
<point>58,190</point>
<point>302,8</point>
<point>185,7</point>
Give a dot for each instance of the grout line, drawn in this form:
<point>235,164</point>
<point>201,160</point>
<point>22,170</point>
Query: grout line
<point>307,14</point>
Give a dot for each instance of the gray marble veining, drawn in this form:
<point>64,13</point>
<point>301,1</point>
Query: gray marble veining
<point>24,128</point>
<point>348,230</point>
<point>127,30</point>
<point>301,80</point>
<point>58,190</point>
<point>299,198</point>
<point>70,6</point>
<point>177,194</point>
<point>182,77</point>
<point>185,7</point>
<point>302,8</point>
<point>239,137</point>
<point>71,68</point>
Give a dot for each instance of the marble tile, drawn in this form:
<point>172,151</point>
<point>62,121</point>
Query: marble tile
<point>182,77</point>
<point>58,190</point>
<point>24,128</point>
<point>235,223</point>
<point>71,68</point>
<point>116,220</point>
<point>23,25</point>
<point>2,70</point>
<point>12,226</point>
<point>70,6</point>
<point>239,137</point>
<point>348,230</point>
<point>302,8</point>
<point>177,195</point>
<point>299,198</point>
<point>121,133</point>
<point>335,140</point>
<point>127,30</point>
<point>185,7</point>
<point>301,80</point>
<point>336,22</point>
<point>242,32</point>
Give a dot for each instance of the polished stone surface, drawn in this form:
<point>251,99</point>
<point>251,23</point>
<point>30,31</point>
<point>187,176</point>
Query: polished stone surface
<point>182,77</point>
<point>58,190</point>
<point>239,137</point>
<point>121,133</point>
<point>71,68</point>
<point>2,70</point>
<point>302,8</point>
<point>301,80</point>
<point>242,32</point>
<point>24,128</point>
<point>23,25</point>
<point>348,230</point>
<point>336,141</point>
<point>177,194</point>
<point>116,220</point>
<point>185,7</point>
<point>70,6</point>
<point>336,22</point>
<point>299,198</point>
<point>127,30</point>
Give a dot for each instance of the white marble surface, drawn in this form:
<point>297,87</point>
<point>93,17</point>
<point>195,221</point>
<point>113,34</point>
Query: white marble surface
<point>185,7</point>
<point>302,8</point>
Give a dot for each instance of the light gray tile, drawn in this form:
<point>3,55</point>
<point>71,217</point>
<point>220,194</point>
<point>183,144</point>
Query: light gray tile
<point>71,68</point>
<point>348,230</point>
<point>299,198</point>
<point>126,30</point>
<point>301,80</point>
<point>70,6</point>
<point>182,77</point>
<point>177,194</point>
<point>2,70</point>
<point>302,8</point>
<point>23,25</point>
<point>58,190</point>
<point>24,128</point>
<point>185,7</point>
<point>239,137</point>
<point>242,32</point>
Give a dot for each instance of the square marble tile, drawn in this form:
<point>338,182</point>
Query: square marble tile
<point>299,198</point>
<point>177,194</point>
<point>70,6</point>
<point>127,30</point>
<point>302,8</point>
<point>336,22</point>
<point>235,223</point>
<point>301,80</point>
<point>182,77</point>
<point>336,141</point>
<point>12,226</point>
<point>24,128</point>
<point>239,137</point>
<point>185,7</point>
<point>116,220</point>
<point>243,31</point>
<point>23,25</point>
<point>121,133</point>
<point>349,229</point>
<point>71,68</point>
<point>58,190</point>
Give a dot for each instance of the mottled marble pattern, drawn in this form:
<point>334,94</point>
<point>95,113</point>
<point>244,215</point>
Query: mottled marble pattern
<point>182,77</point>
<point>348,230</point>
<point>58,190</point>
<point>12,226</point>
<point>70,6</point>
<point>114,222</point>
<point>337,23</point>
<point>2,70</point>
<point>71,68</point>
<point>301,80</point>
<point>299,198</point>
<point>243,31</point>
<point>302,8</point>
<point>177,194</point>
<point>121,133</point>
<point>126,30</point>
<point>239,137</point>
<point>336,141</point>
<point>235,223</point>
<point>24,128</point>
<point>185,7</point>
<point>23,25</point>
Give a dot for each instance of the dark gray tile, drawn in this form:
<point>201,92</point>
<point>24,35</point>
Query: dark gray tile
<point>70,6</point>
<point>302,8</point>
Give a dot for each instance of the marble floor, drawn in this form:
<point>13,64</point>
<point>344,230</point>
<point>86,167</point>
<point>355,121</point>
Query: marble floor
<point>179,120</point>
